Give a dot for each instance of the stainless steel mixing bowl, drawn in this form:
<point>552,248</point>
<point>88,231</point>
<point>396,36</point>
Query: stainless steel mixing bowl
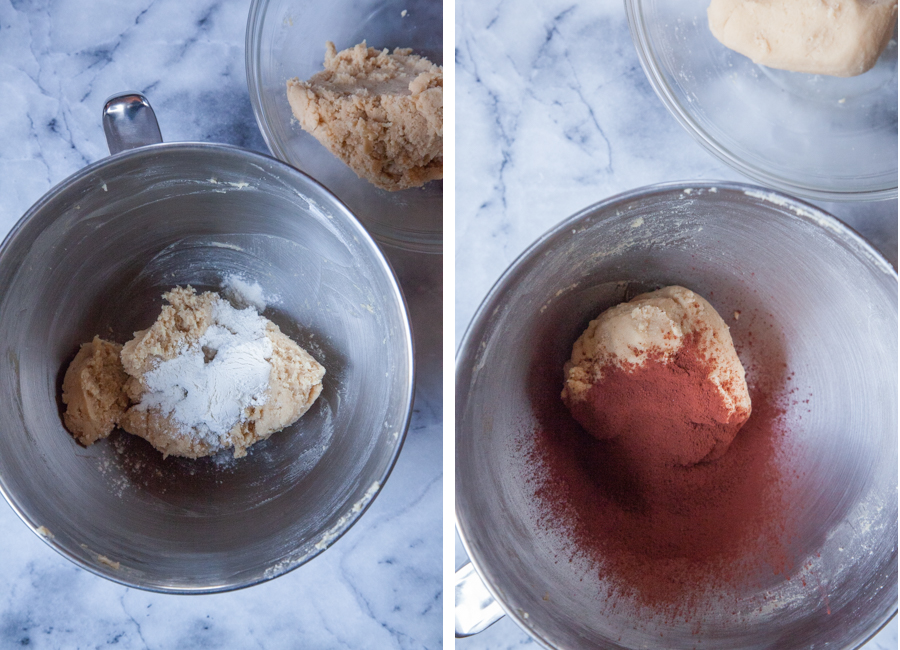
<point>93,256</point>
<point>831,302</point>
<point>286,39</point>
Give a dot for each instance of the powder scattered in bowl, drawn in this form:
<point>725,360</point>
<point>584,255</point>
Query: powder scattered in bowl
<point>668,522</point>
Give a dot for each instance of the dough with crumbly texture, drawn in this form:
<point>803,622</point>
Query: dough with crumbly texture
<point>651,328</point>
<point>295,381</point>
<point>93,391</point>
<point>381,113</point>
<point>179,324</point>
<point>841,38</point>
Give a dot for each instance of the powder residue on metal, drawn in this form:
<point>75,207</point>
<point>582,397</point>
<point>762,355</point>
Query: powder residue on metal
<point>246,293</point>
<point>336,530</point>
<point>830,224</point>
<point>110,563</point>
<point>732,525</point>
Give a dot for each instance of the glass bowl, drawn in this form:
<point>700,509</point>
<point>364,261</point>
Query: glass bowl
<point>819,137</point>
<point>286,39</point>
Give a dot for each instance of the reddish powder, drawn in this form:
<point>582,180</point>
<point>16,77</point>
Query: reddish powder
<point>662,532</point>
<point>663,412</point>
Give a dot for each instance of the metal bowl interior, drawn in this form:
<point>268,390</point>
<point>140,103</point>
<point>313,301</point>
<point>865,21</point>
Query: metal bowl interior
<point>809,289</point>
<point>820,137</point>
<point>286,39</point>
<point>93,257</point>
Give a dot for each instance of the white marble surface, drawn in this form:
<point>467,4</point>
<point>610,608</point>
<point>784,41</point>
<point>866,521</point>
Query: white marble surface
<point>553,114</point>
<point>380,585</point>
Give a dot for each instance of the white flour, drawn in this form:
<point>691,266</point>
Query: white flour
<point>245,292</point>
<point>211,382</point>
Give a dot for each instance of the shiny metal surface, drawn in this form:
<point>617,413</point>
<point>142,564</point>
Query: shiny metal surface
<point>286,39</point>
<point>93,256</point>
<point>129,122</point>
<point>832,303</point>
<point>474,608</point>
<point>815,136</point>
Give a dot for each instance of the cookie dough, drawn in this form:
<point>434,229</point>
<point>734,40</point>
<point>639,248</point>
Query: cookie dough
<point>93,391</point>
<point>661,372</point>
<point>841,38</point>
<point>379,112</point>
<point>204,377</point>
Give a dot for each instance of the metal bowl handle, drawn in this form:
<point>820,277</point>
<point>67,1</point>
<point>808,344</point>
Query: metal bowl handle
<point>129,122</point>
<point>475,608</point>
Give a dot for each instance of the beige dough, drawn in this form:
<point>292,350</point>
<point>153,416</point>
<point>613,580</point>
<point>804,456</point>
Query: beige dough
<point>657,324</point>
<point>93,391</point>
<point>841,38</point>
<point>380,113</point>
<point>294,381</point>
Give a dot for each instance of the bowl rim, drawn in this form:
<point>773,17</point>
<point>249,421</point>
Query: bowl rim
<point>255,17</point>
<point>282,566</point>
<point>664,91</point>
<point>470,341</point>
<point>252,39</point>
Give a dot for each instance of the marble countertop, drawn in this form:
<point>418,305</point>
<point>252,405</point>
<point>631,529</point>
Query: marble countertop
<point>380,585</point>
<point>554,113</point>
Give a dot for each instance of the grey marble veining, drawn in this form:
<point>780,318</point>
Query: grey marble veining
<point>379,586</point>
<point>553,114</point>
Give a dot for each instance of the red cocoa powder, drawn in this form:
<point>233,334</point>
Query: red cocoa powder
<point>663,411</point>
<point>662,532</point>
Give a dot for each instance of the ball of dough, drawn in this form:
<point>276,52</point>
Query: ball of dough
<point>171,386</point>
<point>841,38</point>
<point>381,113</point>
<point>660,374</point>
<point>93,391</point>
